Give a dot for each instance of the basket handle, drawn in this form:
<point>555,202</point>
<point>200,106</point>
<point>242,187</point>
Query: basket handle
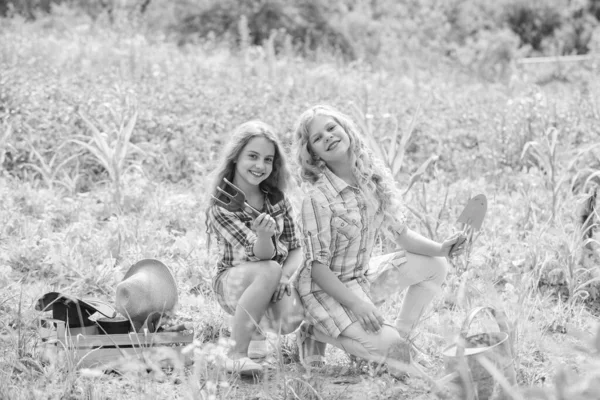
<point>499,317</point>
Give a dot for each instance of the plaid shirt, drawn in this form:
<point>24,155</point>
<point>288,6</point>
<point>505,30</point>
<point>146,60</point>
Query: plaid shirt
<point>339,225</point>
<point>236,238</point>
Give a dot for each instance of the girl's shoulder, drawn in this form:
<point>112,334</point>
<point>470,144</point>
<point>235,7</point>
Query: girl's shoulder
<point>275,195</point>
<point>316,196</point>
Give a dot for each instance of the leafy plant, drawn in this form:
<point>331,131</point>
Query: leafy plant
<point>47,170</point>
<point>391,149</point>
<point>586,163</point>
<point>112,151</point>
<point>544,155</point>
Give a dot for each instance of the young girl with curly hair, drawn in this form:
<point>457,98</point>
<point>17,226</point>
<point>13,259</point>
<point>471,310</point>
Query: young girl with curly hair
<point>350,200</point>
<point>258,256</point>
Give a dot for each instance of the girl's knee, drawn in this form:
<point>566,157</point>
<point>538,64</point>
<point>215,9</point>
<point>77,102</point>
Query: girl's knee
<point>439,269</point>
<point>286,315</point>
<point>269,270</point>
<point>289,323</point>
<point>390,339</point>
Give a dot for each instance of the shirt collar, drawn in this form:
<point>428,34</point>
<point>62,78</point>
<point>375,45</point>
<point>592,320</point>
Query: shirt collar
<point>335,182</point>
<point>272,196</point>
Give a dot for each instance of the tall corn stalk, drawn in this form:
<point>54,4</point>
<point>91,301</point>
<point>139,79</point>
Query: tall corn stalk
<point>391,149</point>
<point>545,156</point>
<point>388,148</point>
<point>112,151</point>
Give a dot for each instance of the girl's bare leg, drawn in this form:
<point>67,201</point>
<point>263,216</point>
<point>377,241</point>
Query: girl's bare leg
<point>253,284</point>
<point>284,316</point>
<point>422,275</point>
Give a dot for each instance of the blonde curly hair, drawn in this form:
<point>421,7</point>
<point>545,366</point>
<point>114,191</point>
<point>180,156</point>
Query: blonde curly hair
<point>373,177</point>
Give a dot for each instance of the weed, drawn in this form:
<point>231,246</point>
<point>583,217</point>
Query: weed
<point>112,150</point>
<point>47,170</point>
<point>544,155</point>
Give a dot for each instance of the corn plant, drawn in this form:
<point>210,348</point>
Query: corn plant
<point>544,155</point>
<point>391,149</point>
<point>69,181</point>
<point>112,150</point>
<point>48,170</point>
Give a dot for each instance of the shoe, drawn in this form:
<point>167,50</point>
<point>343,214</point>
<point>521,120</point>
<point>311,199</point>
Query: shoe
<point>242,366</point>
<point>257,349</point>
<point>304,340</point>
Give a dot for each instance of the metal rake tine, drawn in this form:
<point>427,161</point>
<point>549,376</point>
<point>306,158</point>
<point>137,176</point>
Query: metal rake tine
<point>224,193</point>
<point>221,202</point>
<point>231,185</point>
<point>239,199</point>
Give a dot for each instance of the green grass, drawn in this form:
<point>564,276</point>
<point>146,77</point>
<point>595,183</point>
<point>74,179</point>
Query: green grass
<point>74,217</point>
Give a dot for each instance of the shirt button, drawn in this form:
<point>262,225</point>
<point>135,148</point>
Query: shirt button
<point>363,250</point>
<point>353,221</point>
<point>359,268</point>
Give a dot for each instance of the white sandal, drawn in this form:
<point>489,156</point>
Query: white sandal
<point>309,361</point>
<point>243,366</point>
<point>258,349</point>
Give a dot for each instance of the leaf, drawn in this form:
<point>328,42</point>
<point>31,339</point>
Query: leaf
<point>399,158</point>
<point>553,141</point>
<point>420,171</point>
<point>393,144</point>
<point>123,141</point>
<point>596,174</point>
<point>101,143</point>
<point>360,120</point>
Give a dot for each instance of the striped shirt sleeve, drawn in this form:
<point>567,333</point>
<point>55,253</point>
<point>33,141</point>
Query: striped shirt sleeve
<point>234,231</point>
<point>289,235</point>
<point>315,224</point>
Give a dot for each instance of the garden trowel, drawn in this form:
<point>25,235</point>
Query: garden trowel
<point>471,219</point>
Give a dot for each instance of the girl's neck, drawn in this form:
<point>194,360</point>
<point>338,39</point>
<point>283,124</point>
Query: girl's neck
<point>254,195</point>
<point>344,172</point>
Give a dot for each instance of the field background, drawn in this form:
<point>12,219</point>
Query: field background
<point>113,114</point>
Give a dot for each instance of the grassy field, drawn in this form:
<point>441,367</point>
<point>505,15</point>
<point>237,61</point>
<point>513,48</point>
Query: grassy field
<point>107,139</point>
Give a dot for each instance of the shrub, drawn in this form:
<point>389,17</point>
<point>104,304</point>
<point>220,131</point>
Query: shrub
<point>533,21</point>
<point>306,22</point>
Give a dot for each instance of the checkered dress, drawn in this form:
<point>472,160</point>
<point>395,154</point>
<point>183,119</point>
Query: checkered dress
<point>236,239</point>
<point>339,225</point>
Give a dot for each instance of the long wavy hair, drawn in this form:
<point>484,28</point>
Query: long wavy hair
<point>276,182</point>
<point>373,177</point>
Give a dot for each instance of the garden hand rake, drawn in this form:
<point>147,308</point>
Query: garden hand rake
<point>237,200</point>
<point>472,218</point>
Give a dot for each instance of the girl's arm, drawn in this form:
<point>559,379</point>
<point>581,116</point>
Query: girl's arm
<point>242,238</point>
<point>367,314</point>
<point>316,226</point>
<point>264,248</point>
<point>289,236</point>
<point>289,268</point>
<point>291,263</point>
<point>416,243</point>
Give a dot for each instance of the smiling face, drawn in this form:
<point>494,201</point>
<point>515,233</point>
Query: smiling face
<point>255,162</point>
<point>328,140</point>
